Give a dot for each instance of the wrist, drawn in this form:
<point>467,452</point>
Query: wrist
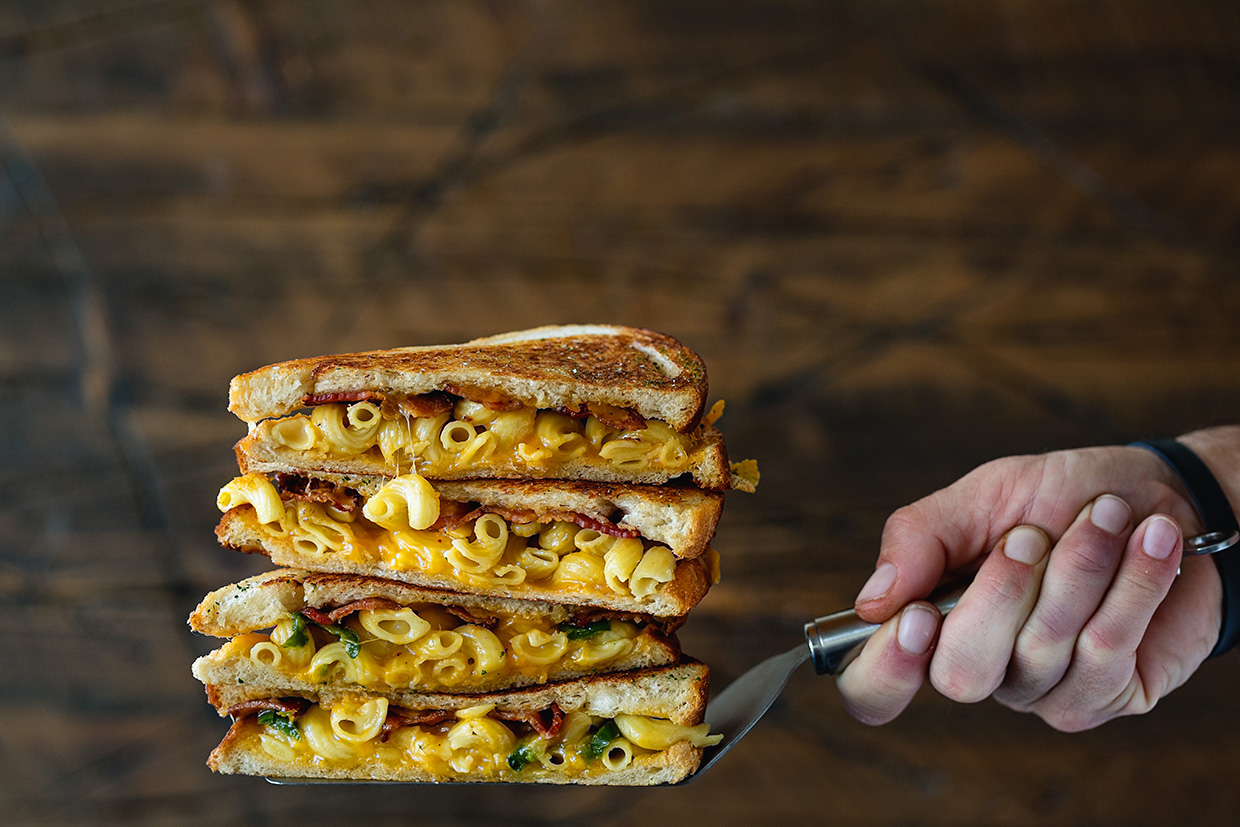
<point>1219,449</point>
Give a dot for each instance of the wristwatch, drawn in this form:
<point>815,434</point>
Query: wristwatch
<point>1222,533</point>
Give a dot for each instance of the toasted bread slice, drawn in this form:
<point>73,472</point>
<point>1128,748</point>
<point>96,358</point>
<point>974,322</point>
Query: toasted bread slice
<point>476,738</point>
<point>240,529</point>
<point>547,367</point>
<point>444,642</point>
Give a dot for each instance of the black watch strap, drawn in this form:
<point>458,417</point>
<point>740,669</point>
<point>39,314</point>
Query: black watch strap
<point>1218,517</point>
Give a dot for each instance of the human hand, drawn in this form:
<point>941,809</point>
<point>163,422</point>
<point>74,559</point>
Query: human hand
<point>1075,613</point>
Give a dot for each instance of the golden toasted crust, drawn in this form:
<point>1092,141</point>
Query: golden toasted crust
<point>708,465</point>
<point>260,601</point>
<point>677,692</point>
<point>545,367</point>
<point>239,529</point>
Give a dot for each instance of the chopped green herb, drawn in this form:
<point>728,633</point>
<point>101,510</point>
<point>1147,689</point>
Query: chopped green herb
<point>582,632</point>
<point>298,637</point>
<point>598,742</point>
<point>280,723</point>
<point>352,643</point>
<point>522,756</point>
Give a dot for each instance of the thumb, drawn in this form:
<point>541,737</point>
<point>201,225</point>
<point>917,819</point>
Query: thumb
<point>945,531</point>
<point>911,562</point>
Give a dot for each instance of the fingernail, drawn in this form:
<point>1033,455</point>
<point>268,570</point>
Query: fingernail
<point>916,629</point>
<point>1110,513</point>
<point>1160,538</point>
<point>1025,544</point>
<point>880,582</point>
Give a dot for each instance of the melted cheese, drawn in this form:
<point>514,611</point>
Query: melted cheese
<point>474,436</point>
<point>529,559</point>
<point>344,740</point>
<point>427,648</point>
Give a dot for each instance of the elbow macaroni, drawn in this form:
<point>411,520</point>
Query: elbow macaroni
<point>347,734</point>
<point>473,435</point>
<point>393,529</point>
<point>424,648</point>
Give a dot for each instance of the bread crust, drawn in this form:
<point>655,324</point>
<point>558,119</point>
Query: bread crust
<point>259,602</point>
<point>544,367</point>
<point>239,529</point>
<point>677,692</point>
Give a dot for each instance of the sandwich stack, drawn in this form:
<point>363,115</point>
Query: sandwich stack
<point>484,552</point>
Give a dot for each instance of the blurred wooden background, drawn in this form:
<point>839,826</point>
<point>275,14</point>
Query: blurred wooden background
<point>906,236</point>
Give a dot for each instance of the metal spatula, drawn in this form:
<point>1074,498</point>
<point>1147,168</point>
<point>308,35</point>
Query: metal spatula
<point>831,642</point>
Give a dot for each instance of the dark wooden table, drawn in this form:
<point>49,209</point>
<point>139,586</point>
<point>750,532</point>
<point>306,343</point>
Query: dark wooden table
<point>906,237</point>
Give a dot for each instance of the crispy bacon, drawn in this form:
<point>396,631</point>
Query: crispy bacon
<point>546,721</point>
<point>316,616</point>
<point>426,405</point>
<point>660,627</point>
<point>602,526</point>
<point>398,717</point>
<point>292,707</point>
<point>493,399</point>
<point>524,515</point>
<point>295,487</point>
<point>469,617</point>
<point>312,399</point>
<point>622,419</point>
<point>341,612</point>
<point>453,514</point>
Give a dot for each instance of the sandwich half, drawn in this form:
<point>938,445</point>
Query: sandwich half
<point>299,631</point>
<point>633,728</point>
<point>588,402</point>
<point>627,548</point>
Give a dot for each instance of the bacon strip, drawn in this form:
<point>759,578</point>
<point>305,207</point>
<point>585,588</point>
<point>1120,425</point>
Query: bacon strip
<point>293,707</point>
<point>622,419</point>
<point>546,721</point>
<point>295,487</point>
<point>316,616</point>
<point>453,514</point>
<point>366,603</point>
<point>426,405</point>
<point>524,515</point>
<point>467,616</point>
<point>312,399</point>
<point>398,717</point>
<point>493,399</point>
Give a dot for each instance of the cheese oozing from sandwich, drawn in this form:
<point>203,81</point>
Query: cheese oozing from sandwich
<point>395,529</point>
<point>365,737</point>
<point>428,648</point>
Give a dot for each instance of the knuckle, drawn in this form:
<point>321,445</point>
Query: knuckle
<point>962,680</point>
<point>902,522</point>
<point>1094,559</point>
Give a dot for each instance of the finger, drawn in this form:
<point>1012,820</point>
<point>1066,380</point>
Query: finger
<point>1103,681</point>
<point>1081,567</point>
<point>978,636</point>
<point>923,540</point>
<point>1185,627</point>
<point>891,667</point>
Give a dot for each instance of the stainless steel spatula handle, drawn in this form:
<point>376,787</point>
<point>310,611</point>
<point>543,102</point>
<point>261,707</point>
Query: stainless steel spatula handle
<point>835,639</point>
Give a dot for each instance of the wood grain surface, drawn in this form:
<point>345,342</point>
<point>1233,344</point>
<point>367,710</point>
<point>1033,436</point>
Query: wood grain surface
<point>907,237</point>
